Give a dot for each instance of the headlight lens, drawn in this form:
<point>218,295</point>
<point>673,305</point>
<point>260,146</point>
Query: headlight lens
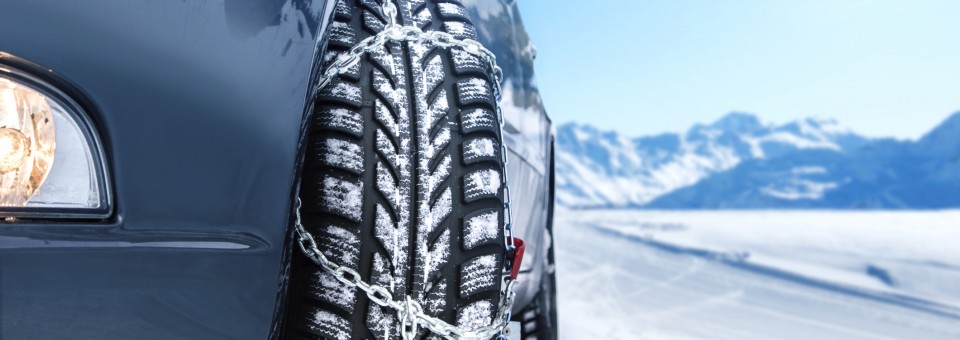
<point>50,159</point>
<point>27,142</point>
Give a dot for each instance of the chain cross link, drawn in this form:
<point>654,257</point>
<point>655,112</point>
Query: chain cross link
<point>409,312</point>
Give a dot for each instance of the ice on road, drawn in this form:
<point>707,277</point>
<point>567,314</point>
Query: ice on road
<point>758,275</point>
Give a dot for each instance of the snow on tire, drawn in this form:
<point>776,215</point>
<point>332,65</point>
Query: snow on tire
<point>401,181</point>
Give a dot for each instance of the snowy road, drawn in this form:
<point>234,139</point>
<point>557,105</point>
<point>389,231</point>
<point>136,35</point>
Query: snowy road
<point>617,287</point>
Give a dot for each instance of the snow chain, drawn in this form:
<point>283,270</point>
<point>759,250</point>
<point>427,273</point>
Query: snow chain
<point>409,313</point>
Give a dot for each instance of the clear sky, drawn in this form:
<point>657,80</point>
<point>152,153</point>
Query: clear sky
<point>882,67</point>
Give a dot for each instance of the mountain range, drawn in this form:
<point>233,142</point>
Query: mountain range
<point>740,162</point>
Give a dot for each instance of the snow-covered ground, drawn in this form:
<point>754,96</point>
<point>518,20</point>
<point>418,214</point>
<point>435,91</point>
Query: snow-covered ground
<point>758,274</point>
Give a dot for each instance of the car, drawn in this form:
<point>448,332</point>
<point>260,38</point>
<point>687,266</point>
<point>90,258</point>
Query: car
<point>231,169</point>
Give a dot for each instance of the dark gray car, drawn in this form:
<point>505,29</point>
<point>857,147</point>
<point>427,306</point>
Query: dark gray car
<point>153,154</point>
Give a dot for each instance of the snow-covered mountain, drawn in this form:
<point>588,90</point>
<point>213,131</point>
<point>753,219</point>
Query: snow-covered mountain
<point>740,162</point>
<point>605,169</point>
<point>882,174</point>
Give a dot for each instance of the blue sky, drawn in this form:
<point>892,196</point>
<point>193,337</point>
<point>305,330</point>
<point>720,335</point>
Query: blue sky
<point>883,67</point>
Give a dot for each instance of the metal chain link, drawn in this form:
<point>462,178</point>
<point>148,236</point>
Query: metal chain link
<point>409,312</point>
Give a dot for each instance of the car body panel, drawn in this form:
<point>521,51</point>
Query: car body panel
<point>200,106</point>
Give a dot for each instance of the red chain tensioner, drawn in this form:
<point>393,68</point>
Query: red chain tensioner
<point>516,256</point>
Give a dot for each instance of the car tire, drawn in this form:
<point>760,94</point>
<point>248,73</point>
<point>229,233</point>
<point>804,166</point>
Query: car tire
<point>401,181</point>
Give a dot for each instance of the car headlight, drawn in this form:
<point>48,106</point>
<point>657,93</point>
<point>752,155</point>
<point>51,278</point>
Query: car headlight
<point>51,162</point>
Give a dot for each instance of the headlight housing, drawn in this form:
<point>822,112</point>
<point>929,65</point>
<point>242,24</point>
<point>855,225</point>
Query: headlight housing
<point>51,159</point>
